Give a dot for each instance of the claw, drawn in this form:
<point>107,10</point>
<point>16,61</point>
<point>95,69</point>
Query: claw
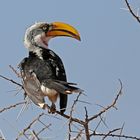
<point>52,109</point>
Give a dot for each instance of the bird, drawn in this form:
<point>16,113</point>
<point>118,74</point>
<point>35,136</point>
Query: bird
<point>42,71</point>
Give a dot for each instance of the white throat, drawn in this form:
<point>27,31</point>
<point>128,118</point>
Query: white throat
<point>40,40</point>
<point>31,42</point>
<point>33,48</point>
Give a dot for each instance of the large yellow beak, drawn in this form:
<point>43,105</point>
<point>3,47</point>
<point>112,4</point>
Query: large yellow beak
<point>62,29</point>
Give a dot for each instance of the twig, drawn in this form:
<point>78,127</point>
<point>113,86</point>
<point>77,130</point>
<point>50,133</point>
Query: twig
<point>35,135</point>
<point>14,82</point>
<point>132,12</point>
<point>78,135</point>
<point>114,130</point>
<point>72,118</point>
<point>108,107</point>
<point>114,135</point>
<point>46,126</point>
<point>121,129</point>
<point>15,71</point>
<point>84,102</point>
<point>12,106</point>
<point>71,112</point>
<point>23,108</point>
<point>83,123</point>
<point>86,125</point>
<point>29,126</point>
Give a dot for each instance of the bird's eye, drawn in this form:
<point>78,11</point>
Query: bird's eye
<point>45,28</point>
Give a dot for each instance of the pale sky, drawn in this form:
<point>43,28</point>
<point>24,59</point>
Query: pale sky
<point>109,50</point>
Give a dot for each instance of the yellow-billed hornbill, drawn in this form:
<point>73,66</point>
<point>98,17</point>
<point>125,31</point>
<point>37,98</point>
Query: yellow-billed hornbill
<point>42,71</point>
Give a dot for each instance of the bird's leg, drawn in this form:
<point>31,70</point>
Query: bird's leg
<point>52,109</point>
<point>25,95</point>
<point>44,106</point>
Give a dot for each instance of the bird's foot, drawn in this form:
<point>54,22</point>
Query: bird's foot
<point>45,106</point>
<point>52,109</point>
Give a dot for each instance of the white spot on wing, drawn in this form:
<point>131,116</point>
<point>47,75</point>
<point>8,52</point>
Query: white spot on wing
<point>57,70</point>
<point>51,93</point>
<point>41,104</point>
<point>48,91</point>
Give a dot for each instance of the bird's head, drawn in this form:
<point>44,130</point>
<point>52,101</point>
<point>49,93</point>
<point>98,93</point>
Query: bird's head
<point>40,33</point>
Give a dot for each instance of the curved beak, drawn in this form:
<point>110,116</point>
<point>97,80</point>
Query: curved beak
<point>62,29</point>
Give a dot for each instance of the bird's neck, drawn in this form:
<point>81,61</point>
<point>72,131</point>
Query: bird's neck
<point>37,51</point>
<point>44,54</point>
<point>34,48</point>
<point>35,45</point>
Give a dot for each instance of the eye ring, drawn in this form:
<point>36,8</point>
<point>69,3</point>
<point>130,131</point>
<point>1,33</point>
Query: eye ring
<point>45,28</point>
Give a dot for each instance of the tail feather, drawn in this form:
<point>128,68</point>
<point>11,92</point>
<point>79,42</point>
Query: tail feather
<point>69,88</point>
<point>65,83</point>
<point>62,86</point>
<point>72,89</point>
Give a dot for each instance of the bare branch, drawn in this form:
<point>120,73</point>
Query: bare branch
<point>32,134</point>
<point>86,126</point>
<point>135,15</point>
<point>108,107</point>
<point>114,135</point>
<point>46,126</point>
<point>15,71</point>
<point>72,118</point>
<point>29,126</point>
<point>71,112</point>
<point>114,130</point>
<point>79,135</point>
<point>12,81</point>
<point>35,135</point>
<point>12,106</point>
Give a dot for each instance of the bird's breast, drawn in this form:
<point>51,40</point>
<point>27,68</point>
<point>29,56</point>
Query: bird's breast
<point>51,93</point>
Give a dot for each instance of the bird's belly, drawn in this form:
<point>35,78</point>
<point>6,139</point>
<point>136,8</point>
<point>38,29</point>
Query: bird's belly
<point>51,93</point>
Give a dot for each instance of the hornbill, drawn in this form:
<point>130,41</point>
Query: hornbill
<point>43,71</point>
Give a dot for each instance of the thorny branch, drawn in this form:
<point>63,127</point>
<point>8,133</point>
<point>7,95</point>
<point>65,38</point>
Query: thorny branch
<point>84,124</point>
<point>15,71</point>
<point>46,126</point>
<point>110,132</point>
<point>29,126</point>
<point>12,81</point>
<point>114,135</point>
<point>108,107</point>
<point>35,135</point>
<point>136,16</point>
<point>71,112</point>
<point>12,106</point>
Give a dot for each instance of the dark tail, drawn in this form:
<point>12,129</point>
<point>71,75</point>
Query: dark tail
<point>65,87</point>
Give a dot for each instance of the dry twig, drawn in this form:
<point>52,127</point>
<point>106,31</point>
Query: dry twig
<point>132,12</point>
<point>83,123</point>
<point>71,112</point>
<point>15,71</point>
<point>12,106</point>
<point>12,81</point>
<point>23,132</point>
<point>114,135</point>
<point>108,107</point>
